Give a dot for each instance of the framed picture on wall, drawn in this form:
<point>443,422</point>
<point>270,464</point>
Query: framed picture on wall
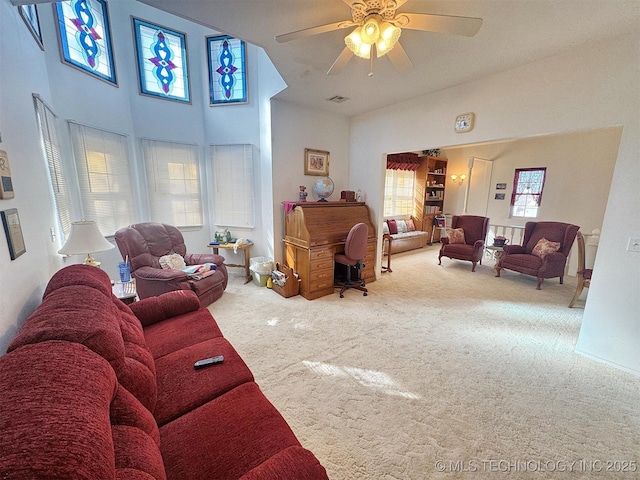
<point>30,16</point>
<point>501,186</point>
<point>316,162</point>
<point>13,231</point>
<point>499,196</point>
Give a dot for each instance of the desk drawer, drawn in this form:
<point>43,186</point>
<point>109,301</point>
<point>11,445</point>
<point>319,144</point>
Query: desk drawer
<point>321,254</point>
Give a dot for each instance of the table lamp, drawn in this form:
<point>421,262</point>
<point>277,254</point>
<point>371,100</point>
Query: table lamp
<point>85,238</point>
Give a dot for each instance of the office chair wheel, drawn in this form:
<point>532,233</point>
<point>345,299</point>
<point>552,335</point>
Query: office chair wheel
<point>364,294</point>
<point>341,295</point>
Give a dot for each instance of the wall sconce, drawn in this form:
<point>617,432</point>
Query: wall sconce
<point>458,179</point>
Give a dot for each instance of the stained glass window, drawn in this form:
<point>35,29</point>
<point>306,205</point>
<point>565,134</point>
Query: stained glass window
<point>162,61</point>
<point>85,38</point>
<point>227,70</point>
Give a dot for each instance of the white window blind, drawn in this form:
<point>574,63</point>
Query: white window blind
<point>233,195</point>
<point>173,178</point>
<point>48,125</point>
<point>398,192</point>
<point>102,163</point>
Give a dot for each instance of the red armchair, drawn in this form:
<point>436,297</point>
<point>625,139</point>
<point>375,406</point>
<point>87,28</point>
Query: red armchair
<point>527,259</point>
<point>145,243</point>
<point>475,231</point>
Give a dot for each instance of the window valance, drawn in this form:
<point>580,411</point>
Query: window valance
<point>403,161</point>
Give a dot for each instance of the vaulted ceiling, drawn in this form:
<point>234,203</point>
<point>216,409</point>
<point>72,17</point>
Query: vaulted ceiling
<point>513,33</point>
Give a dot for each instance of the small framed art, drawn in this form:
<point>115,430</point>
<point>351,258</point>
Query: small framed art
<point>316,162</point>
<point>85,37</point>
<point>499,196</point>
<point>227,70</point>
<point>13,231</point>
<point>6,185</point>
<point>501,186</point>
<point>162,61</point>
<point>30,16</point>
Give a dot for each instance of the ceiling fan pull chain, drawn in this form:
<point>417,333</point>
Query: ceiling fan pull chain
<point>370,74</point>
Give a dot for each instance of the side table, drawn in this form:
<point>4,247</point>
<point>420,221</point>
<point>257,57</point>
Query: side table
<point>245,248</point>
<point>387,238</point>
<point>498,253</point>
<point>125,291</point>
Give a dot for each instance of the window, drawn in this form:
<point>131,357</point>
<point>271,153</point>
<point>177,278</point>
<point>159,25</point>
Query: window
<point>162,61</point>
<point>173,178</point>
<point>398,192</point>
<point>227,70</point>
<point>233,185</point>
<point>85,37</point>
<point>47,123</point>
<point>526,197</point>
<point>102,163</point>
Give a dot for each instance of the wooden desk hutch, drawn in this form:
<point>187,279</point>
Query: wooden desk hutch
<point>314,232</point>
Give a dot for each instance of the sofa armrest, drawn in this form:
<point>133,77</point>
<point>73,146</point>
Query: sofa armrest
<point>444,241</point>
<point>202,258</point>
<point>478,245</point>
<point>165,274</point>
<point>171,304</point>
<point>510,249</point>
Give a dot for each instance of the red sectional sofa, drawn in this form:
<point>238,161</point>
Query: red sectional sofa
<point>91,388</point>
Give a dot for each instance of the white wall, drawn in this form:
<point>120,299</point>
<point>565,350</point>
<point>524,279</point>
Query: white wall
<point>77,96</point>
<point>295,129</point>
<point>594,86</point>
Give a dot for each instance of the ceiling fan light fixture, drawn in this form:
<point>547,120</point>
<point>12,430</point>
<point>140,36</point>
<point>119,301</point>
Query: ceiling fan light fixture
<point>370,32</point>
<point>389,36</point>
<point>357,45</point>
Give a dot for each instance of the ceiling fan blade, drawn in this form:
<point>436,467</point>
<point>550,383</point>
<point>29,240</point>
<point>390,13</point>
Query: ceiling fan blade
<point>467,26</point>
<point>307,32</point>
<point>340,62</point>
<point>399,58</point>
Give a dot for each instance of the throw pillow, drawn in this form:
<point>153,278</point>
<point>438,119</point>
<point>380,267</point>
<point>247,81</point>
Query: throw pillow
<point>393,227</point>
<point>173,261</point>
<point>410,225</point>
<point>456,235</point>
<point>402,226</point>
<point>385,228</point>
<point>544,247</point>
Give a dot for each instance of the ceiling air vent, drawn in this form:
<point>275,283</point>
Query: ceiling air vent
<point>337,99</point>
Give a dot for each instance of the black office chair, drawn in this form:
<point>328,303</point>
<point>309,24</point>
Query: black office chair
<point>355,250</point>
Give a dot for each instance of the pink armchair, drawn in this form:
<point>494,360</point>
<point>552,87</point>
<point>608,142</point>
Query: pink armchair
<point>145,243</point>
<point>523,259</point>
<point>475,231</point>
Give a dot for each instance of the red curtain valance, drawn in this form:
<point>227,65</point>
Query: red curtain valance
<point>403,161</point>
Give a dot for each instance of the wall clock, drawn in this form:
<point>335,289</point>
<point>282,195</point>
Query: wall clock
<point>464,122</point>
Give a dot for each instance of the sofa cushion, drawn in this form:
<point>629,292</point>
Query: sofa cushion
<point>544,247</point>
<point>171,304</point>
<point>181,388</point>
<point>393,226</point>
<point>385,228</point>
<point>456,235</point>
<point>127,410</point>
<point>402,226</point>
<point>243,421</point>
<point>411,227</point>
<point>135,451</point>
<point>298,462</point>
<point>54,399</point>
<point>179,332</point>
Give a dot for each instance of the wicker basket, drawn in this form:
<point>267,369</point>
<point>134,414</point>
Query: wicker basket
<point>291,285</point>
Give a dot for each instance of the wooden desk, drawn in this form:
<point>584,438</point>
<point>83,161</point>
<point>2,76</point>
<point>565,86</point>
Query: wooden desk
<point>245,248</point>
<point>314,233</point>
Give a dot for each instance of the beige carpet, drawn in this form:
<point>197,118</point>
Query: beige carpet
<point>438,373</point>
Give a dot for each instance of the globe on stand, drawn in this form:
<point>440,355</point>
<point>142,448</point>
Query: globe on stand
<point>323,188</point>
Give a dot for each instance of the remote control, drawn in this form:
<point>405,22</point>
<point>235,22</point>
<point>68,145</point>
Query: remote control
<point>208,361</point>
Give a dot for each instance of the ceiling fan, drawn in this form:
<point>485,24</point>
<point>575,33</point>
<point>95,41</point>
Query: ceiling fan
<point>378,25</point>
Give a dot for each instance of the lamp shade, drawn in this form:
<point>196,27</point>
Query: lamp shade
<point>85,238</point>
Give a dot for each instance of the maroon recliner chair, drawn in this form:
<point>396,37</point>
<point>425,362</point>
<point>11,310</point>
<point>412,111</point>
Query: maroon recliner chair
<point>145,243</point>
<point>475,231</point>
<point>520,258</point>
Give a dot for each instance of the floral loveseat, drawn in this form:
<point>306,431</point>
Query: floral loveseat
<point>93,389</point>
<point>405,235</point>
